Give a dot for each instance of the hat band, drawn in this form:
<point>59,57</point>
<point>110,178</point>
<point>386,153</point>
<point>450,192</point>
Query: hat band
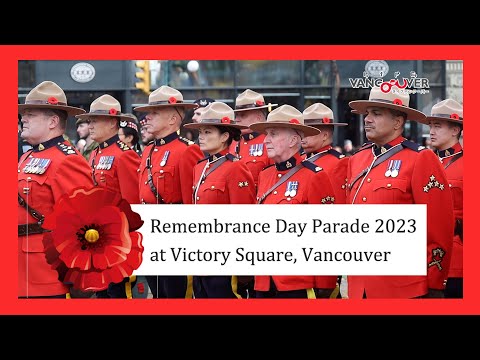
<point>388,101</point>
<point>163,102</point>
<point>448,116</point>
<point>42,102</point>
<point>310,121</point>
<point>251,106</point>
<point>105,112</point>
<point>216,121</point>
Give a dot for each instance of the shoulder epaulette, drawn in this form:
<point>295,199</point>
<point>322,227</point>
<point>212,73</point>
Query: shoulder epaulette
<point>367,145</point>
<point>311,166</point>
<point>231,157</point>
<point>66,149</point>
<point>123,146</point>
<point>335,153</point>
<point>185,141</point>
<point>412,146</point>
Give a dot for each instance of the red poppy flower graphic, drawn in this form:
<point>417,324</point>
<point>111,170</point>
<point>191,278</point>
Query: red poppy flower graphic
<point>454,116</point>
<point>294,121</point>
<point>52,100</point>
<point>172,100</point>
<point>259,103</point>
<point>225,120</point>
<point>397,102</point>
<point>93,241</point>
<point>326,120</point>
<point>112,111</point>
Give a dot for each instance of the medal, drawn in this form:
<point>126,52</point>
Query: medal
<point>388,173</point>
<point>260,149</point>
<point>293,191</point>
<point>289,186</point>
<point>396,167</point>
<point>165,158</point>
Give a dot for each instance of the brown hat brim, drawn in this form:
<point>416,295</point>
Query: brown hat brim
<point>71,110</point>
<point>261,126</point>
<point>360,106</point>
<point>430,118</point>
<point>200,124</point>
<point>147,108</point>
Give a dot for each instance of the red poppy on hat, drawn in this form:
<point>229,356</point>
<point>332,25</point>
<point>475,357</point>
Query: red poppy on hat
<point>455,117</point>
<point>225,120</point>
<point>397,102</point>
<point>259,103</point>
<point>52,100</point>
<point>172,100</point>
<point>294,121</point>
<point>93,241</point>
<point>112,111</point>
<point>327,120</point>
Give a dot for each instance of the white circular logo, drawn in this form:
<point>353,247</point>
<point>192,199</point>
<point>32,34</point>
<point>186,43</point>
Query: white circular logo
<point>82,72</point>
<point>376,68</point>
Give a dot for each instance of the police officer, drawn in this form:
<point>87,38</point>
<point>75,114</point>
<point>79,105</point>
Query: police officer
<point>166,170</point>
<point>291,181</point>
<point>392,170</point>
<point>446,127</point>
<point>319,150</point>
<point>113,165</point>
<point>219,179</point>
<point>51,169</point>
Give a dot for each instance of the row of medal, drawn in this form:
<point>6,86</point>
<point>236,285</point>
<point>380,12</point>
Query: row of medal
<point>36,166</point>
<point>393,168</point>
<point>292,187</point>
<point>256,150</point>
<point>105,162</point>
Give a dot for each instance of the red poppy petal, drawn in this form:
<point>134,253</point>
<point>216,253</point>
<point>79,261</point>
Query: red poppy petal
<point>397,102</point>
<point>116,274</point>
<point>454,116</point>
<point>99,260</point>
<point>294,121</point>
<point>135,222</point>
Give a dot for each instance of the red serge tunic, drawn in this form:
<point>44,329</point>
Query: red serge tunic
<point>53,169</point>
<point>452,160</point>
<point>335,164</point>
<point>309,185</point>
<point>411,176</point>
<point>169,163</point>
<point>250,150</point>
<point>114,165</point>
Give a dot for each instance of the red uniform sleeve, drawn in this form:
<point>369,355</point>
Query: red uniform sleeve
<point>128,176</point>
<point>241,186</point>
<point>338,177</point>
<point>320,190</point>
<point>430,186</point>
<point>188,161</point>
<point>73,172</point>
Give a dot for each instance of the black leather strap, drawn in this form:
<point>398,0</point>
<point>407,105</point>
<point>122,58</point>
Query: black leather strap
<point>280,182</point>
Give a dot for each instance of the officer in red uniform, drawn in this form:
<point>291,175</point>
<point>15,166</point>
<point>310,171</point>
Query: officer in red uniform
<point>393,170</point>
<point>291,181</point>
<point>250,108</point>
<point>219,179</point>
<point>114,165</point>
<point>50,170</point>
<point>319,150</point>
<point>166,170</point>
<point>446,126</point>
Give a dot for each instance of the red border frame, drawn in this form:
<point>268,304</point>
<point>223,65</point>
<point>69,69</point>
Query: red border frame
<point>8,266</point>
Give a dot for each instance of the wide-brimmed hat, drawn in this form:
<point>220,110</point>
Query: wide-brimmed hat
<point>398,100</point>
<point>216,114</point>
<point>319,114</point>
<point>251,100</point>
<point>285,116</point>
<point>448,109</point>
<point>48,95</point>
<point>165,96</point>
<point>105,105</point>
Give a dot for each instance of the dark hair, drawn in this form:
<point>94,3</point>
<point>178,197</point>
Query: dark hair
<point>129,131</point>
<point>233,132</point>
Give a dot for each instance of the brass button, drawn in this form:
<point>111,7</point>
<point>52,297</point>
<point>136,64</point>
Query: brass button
<point>213,187</point>
<point>364,199</point>
<point>279,175</point>
<point>275,192</point>
<point>369,180</point>
<point>389,185</point>
<point>198,197</point>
